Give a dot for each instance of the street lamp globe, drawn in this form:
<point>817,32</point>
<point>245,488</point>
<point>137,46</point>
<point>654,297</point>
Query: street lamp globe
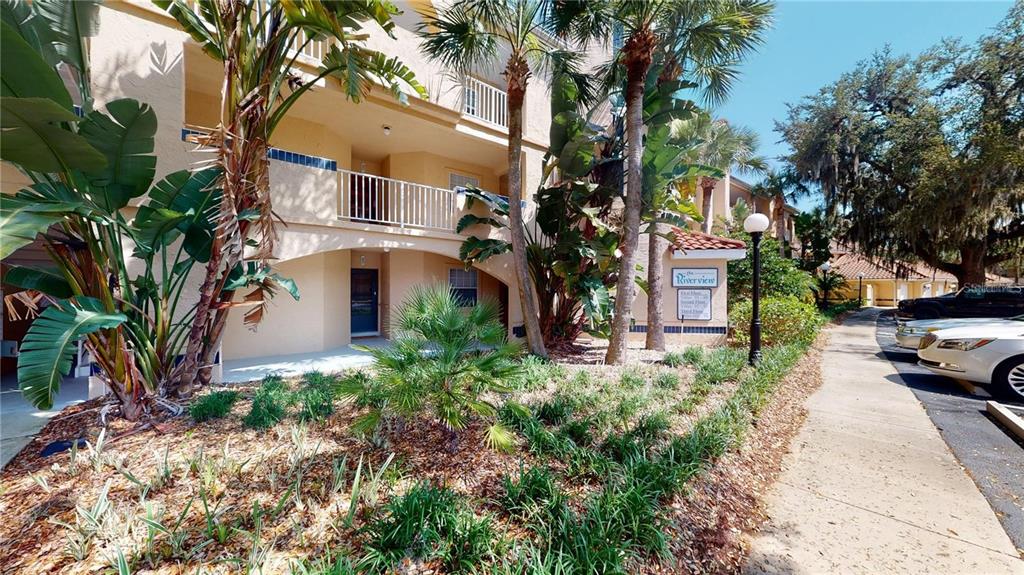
<point>755,223</point>
<point>825,267</point>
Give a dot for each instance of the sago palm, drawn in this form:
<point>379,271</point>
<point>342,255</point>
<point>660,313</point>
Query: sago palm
<point>470,35</point>
<point>445,360</point>
<point>258,43</point>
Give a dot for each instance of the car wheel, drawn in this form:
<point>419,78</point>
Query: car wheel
<point>1009,379</point>
<point>926,313</point>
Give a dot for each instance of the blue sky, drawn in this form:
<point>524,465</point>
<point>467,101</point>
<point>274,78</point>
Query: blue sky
<point>812,43</point>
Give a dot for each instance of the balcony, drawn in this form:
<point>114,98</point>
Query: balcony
<point>366,198</point>
<point>484,102</point>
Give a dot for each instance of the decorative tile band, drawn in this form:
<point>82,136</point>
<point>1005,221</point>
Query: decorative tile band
<point>691,329</point>
<point>282,155</point>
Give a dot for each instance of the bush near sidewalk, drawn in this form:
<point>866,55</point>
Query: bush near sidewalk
<point>784,320</point>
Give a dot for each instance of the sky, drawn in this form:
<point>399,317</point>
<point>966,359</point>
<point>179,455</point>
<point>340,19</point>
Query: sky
<point>812,43</point>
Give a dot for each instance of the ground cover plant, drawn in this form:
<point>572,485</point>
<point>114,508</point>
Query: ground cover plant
<point>282,476</point>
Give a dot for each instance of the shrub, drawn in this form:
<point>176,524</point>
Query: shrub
<point>534,495</point>
<point>270,404</point>
<point>719,365</point>
<point>783,320</point>
<point>632,379</point>
<point>429,523</point>
<point>442,362</point>
<point>651,427</point>
<point>667,380</point>
<point>537,372</point>
<point>213,405</point>
<point>692,354</point>
<point>780,276</point>
<point>555,410</point>
<point>673,359</point>
<point>316,396</point>
<point>578,431</point>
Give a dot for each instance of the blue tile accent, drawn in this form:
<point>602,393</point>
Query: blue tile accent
<point>708,330</point>
<point>692,329</point>
<point>283,155</point>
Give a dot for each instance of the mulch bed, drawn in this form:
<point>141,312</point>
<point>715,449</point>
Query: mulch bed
<point>706,526</point>
<point>710,525</point>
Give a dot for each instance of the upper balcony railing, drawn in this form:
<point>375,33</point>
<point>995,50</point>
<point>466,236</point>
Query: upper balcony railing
<point>374,199</point>
<point>484,102</point>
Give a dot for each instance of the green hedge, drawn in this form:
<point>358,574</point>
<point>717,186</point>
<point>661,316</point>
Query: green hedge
<point>784,320</point>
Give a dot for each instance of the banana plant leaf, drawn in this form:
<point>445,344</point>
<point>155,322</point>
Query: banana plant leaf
<point>21,220</point>
<point>475,250</point>
<point>49,283</point>
<point>24,74</point>
<point>34,139</point>
<point>189,199</point>
<point>19,16</point>
<point>124,134</point>
<point>49,346</point>
<point>472,220</point>
<point>70,23</point>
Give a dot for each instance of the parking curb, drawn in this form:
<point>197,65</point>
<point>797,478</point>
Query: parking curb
<point>1011,420</point>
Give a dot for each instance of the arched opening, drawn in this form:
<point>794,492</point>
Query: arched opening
<point>349,296</point>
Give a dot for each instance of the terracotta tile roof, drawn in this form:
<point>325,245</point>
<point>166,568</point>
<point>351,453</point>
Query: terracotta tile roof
<point>850,264</point>
<point>691,240</point>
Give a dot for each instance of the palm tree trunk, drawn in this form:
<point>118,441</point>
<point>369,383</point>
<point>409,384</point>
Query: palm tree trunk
<point>780,224</point>
<point>707,188</point>
<point>517,74</point>
<point>655,271</point>
<point>637,53</point>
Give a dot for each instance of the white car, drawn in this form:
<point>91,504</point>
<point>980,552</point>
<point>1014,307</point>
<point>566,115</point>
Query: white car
<point>909,333</point>
<point>984,354</point>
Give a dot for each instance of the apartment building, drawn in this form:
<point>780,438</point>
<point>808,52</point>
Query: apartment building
<point>367,191</point>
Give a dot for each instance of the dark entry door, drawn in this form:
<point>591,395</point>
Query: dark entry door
<point>364,301</point>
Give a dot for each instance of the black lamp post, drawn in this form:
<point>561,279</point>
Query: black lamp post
<point>824,280</point>
<point>755,225</point>
<point>860,290</point>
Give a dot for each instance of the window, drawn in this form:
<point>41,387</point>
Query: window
<point>456,181</point>
<point>463,285</point>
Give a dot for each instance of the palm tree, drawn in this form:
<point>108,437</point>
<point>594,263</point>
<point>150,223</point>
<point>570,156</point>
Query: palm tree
<point>702,39</point>
<point>779,187</point>
<point>726,148</point>
<point>469,35</point>
<point>258,43</point>
<point>703,47</point>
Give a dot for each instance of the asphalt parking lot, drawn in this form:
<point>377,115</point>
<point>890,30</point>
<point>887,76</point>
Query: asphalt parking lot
<point>992,455</point>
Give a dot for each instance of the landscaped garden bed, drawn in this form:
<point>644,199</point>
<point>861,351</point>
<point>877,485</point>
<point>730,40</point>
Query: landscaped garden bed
<point>609,472</point>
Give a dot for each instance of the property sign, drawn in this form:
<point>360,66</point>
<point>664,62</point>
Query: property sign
<point>695,277</point>
<point>693,304</point>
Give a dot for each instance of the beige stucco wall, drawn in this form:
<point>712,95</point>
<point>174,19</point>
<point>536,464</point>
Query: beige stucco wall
<point>885,293</point>
<point>719,300</point>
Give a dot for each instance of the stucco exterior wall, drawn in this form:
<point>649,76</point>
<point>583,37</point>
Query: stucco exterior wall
<point>689,329</point>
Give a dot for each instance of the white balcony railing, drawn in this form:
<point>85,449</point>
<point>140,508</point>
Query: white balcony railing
<point>378,200</point>
<point>484,102</point>
<point>314,50</point>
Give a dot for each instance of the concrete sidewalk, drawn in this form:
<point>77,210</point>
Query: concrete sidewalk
<point>870,486</point>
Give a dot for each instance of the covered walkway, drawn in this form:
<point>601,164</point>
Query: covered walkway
<point>330,361</point>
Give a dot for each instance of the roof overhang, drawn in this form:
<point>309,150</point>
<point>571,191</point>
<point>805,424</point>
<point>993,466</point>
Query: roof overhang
<point>736,254</point>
